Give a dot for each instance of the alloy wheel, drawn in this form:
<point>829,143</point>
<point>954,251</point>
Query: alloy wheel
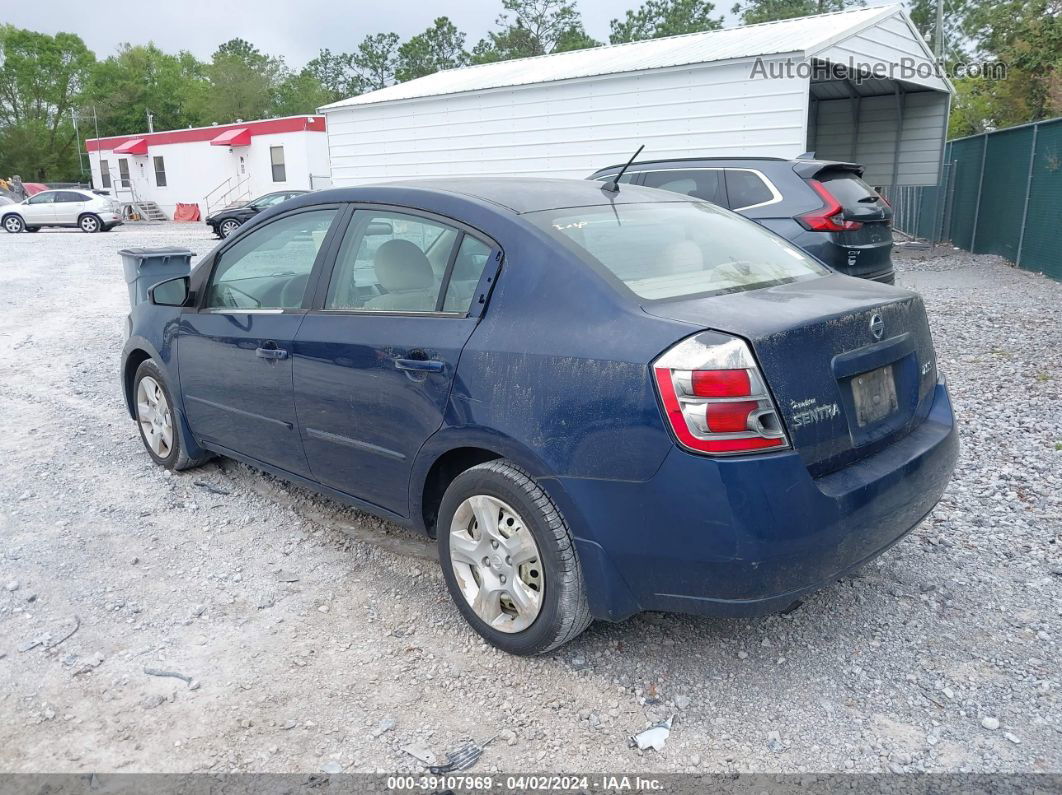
<point>228,227</point>
<point>154,415</point>
<point>13,224</point>
<point>89,224</point>
<point>496,563</point>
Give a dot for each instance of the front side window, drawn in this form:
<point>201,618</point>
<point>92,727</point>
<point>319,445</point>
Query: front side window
<point>105,174</point>
<point>160,171</point>
<point>270,267</point>
<point>393,262</point>
<point>706,184</point>
<point>276,159</point>
<point>42,198</point>
<point>747,189</point>
<point>674,249</point>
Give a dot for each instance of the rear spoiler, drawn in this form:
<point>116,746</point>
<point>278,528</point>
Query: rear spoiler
<point>809,169</point>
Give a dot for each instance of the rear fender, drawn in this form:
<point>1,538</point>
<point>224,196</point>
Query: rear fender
<point>607,592</point>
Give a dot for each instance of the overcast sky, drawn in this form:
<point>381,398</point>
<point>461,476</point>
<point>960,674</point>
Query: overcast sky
<point>296,29</point>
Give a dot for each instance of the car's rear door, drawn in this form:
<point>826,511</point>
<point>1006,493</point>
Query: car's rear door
<point>68,206</point>
<point>235,350</point>
<point>375,359</point>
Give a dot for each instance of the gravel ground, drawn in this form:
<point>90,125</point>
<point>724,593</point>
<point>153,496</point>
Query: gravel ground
<point>322,639</point>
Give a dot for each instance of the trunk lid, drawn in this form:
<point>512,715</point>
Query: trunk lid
<point>817,345</point>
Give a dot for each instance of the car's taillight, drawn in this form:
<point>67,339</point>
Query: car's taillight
<point>829,217</point>
<point>715,398</point>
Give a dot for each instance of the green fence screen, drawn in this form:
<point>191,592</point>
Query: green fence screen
<point>1000,193</point>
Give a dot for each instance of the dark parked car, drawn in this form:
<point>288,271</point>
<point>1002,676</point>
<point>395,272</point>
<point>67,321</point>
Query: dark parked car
<point>599,403</point>
<point>820,205</point>
<point>225,222</point>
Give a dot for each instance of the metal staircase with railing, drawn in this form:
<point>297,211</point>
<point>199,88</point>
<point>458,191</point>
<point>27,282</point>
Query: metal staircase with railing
<point>232,190</point>
<point>133,208</point>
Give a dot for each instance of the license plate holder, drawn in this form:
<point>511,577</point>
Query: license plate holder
<point>874,395</point>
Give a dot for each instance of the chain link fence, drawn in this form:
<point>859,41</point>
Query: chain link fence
<point>999,193</point>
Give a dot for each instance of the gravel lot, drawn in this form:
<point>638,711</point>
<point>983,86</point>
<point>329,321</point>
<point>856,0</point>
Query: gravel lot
<point>322,639</point>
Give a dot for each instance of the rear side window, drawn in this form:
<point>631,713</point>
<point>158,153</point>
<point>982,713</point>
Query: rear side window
<point>464,279</point>
<point>674,249</point>
<point>747,189</point>
<point>391,262</point>
<point>848,189</point>
<point>706,184</point>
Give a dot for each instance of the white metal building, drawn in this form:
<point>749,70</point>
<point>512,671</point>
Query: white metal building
<point>212,166</point>
<point>857,85</point>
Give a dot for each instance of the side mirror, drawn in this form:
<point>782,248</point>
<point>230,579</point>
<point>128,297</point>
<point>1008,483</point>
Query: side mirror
<point>173,292</point>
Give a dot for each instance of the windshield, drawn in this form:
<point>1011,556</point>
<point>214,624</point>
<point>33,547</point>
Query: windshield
<point>674,249</point>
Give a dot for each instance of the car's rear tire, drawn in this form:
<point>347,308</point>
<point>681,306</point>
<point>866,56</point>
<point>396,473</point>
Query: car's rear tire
<point>509,560</point>
<point>13,224</point>
<point>157,419</point>
<point>90,223</point>
<point>226,228</point>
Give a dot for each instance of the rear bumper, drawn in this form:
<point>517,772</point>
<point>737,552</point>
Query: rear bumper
<point>747,536</point>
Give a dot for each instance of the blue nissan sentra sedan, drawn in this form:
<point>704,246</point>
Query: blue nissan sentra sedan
<point>599,401</point>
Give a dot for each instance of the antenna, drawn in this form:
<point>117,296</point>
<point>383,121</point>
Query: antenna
<point>613,185</point>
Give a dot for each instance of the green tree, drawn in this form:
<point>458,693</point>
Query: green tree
<point>956,13</point>
<point>657,18</point>
<point>300,94</point>
<point>753,12</point>
<point>143,78</point>
<point>336,73</point>
<point>42,81</point>
<point>1026,36</point>
<point>376,61</point>
<point>537,27</point>
<point>442,46</point>
<point>243,83</point>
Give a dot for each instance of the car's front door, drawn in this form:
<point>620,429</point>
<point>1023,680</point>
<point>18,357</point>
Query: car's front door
<point>375,359</point>
<point>234,351</point>
<point>39,210</point>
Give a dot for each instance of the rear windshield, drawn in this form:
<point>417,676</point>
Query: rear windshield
<point>848,189</point>
<point>674,249</point>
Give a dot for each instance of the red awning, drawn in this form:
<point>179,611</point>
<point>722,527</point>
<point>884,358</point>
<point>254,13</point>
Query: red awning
<point>136,146</point>
<point>240,136</point>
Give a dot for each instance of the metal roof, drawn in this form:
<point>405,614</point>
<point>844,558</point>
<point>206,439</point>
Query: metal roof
<point>802,35</point>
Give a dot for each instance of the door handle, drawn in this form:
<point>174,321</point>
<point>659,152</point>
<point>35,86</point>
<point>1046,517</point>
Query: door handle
<point>420,365</point>
<point>271,353</point>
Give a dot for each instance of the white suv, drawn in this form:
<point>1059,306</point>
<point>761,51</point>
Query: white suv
<point>85,209</point>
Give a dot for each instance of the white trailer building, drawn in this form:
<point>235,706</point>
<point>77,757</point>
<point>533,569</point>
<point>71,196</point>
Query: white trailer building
<point>211,167</point>
<point>857,86</point>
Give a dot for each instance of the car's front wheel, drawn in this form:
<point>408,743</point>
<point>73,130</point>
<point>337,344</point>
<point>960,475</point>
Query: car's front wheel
<point>157,419</point>
<point>226,228</point>
<point>90,224</point>
<point>509,560</point>
<point>13,224</point>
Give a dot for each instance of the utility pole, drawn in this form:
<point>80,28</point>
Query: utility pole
<point>940,32</point>
<point>77,137</point>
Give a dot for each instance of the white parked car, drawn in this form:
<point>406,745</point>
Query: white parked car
<point>85,209</point>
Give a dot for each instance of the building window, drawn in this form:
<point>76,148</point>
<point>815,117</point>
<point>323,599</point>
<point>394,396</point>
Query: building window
<point>276,158</point>
<point>105,174</point>
<point>160,172</point>
<point>123,173</point>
